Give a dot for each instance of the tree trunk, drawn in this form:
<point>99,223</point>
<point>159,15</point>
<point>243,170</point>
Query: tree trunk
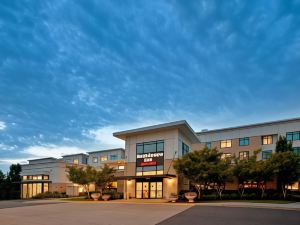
<point>241,190</point>
<point>198,188</point>
<point>284,190</point>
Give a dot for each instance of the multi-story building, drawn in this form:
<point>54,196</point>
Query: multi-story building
<point>50,174</point>
<point>145,167</point>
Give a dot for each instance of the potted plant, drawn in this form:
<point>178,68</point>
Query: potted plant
<point>190,196</point>
<point>173,197</point>
<point>95,196</point>
<point>106,197</point>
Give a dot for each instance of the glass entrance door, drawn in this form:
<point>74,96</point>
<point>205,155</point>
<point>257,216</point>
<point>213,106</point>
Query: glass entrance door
<point>149,189</point>
<point>145,189</point>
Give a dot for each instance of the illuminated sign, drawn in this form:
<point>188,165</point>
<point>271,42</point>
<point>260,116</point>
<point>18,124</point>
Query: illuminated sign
<point>150,159</point>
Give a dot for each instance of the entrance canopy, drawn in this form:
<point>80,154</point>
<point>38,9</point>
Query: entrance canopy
<point>145,177</point>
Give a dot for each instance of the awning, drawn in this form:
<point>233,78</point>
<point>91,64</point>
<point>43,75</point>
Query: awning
<point>145,177</point>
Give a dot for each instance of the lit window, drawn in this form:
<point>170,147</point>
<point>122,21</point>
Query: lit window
<point>24,177</point>
<point>76,161</point>
<point>46,177</point>
<point>40,177</point>
<point>34,178</point>
<point>121,167</point>
<point>244,141</point>
<point>244,155</point>
<point>266,154</point>
<point>95,159</point>
<point>293,136</point>
<point>226,144</point>
<point>226,155</point>
<point>267,140</point>
<point>103,158</point>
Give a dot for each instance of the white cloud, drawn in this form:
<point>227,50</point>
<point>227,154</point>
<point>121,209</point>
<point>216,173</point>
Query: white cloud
<point>4,147</point>
<point>7,161</point>
<point>2,125</point>
<point>104,135</point>
<point>51,150</point>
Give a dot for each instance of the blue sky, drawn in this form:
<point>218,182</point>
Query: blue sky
<point>73,72</point>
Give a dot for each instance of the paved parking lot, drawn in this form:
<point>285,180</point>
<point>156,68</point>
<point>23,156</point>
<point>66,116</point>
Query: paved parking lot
<point>51,212</point>
<point>218,215</point>
<point>86,213</point>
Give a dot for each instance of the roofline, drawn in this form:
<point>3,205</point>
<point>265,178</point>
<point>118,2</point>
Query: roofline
<point>107,150</point>
<point>41,159</point>
<point>122,134</point>
<point>75,154</point>
<point>251,125</point>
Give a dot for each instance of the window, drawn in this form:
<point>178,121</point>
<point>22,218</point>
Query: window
<point>267,140</point>
<point>266,154</point>
<point>75,161</point>
<point>146,147</point>
<point>24,177</point>
<point>296,150</point>
<point>150,147</point>
<point>103,158</point>
<point>113,157</point>
<point>121,167</point>
<point>226,144</point>
<point>95,160</point>
<point>185,148</point>
<point>46,177</point>
<point>244,155</point>
<point>293,136</point>
<point>208,145</point>
<point>226,155</point>
<point>244,141</point>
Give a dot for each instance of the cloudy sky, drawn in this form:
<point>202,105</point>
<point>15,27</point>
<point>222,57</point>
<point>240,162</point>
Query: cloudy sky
<point>73,72</point>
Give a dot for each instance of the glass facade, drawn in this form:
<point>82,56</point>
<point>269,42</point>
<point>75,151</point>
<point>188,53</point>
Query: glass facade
<point>149,189</point>
<point>30,190</point>
<point>150,158</point>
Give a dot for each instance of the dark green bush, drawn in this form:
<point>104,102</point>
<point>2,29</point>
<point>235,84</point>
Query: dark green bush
<point>50,195</point>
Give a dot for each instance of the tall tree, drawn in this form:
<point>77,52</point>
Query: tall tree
<point>82,176</point>
<point>283,145</point>
<point>261,172</point>
<point>103,178</point>
<point>220,173</point>
<point>242,171</point>
<point>287,169</point>
<point>196,167</point>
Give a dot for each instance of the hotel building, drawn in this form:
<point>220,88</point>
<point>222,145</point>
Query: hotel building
<point>146,164</point>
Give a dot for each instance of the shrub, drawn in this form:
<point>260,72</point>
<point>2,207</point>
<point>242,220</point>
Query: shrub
<point>50,195</point>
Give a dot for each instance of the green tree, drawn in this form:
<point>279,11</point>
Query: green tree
<point>261,172</point>
<point>282,145</point>
<point>197,167</point>
<point>220,173</point>
<point>103,178</point>
<point>82,176</point>
<point>2,185</point>
<point>242,171</point>
<point>286,168</point>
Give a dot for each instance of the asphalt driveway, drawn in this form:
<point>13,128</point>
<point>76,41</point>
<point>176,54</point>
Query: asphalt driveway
<point>216,215</point>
